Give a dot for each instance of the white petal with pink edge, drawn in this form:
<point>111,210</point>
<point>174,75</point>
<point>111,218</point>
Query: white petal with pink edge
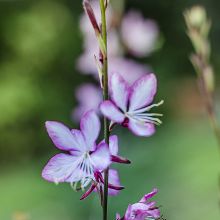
<point>114,180</point>
<point>143,92</point>
<point>113,144</point>
<point>62,136</point>
<point>141,129</point>
<point>119,91</point>
<point>110,110</point>
<point>59,168</point>
<point>80,141</point>
<point>101,158</point>
<point>90,127</point>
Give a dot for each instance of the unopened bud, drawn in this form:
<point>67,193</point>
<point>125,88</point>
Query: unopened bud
<point>89,11</point>
<point>195,17</point>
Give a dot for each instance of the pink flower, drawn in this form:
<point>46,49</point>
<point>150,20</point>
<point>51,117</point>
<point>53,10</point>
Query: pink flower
<point>130,105</point>
<point>82,158</point>
<point>142,210</point>
<point>89,97</point>
<point>139,34</point>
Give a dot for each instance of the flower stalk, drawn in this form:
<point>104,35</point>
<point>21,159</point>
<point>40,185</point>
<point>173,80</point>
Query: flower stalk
<point>198,28</point>
<point>103,7</point>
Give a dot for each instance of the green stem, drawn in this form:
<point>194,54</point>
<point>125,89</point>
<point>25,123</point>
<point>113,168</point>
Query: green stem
<point>105,97</point>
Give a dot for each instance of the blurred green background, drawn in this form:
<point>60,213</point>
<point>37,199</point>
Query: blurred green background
<point>39,43</point>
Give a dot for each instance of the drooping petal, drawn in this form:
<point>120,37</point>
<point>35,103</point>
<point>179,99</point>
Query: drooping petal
<point>113,144</point>
<point>59,168</point>
<point>62,136</point>
<point>143,92</point>
<point>119,91</point>
<point>89,191</point>
<point>101,158</point>
<point>110,111</point>
<point>90,127</point>
<point>115,181</point>
<point>119,159</point>
<point>113,148</point>
<point>146,129</point>
<point>149,195</point>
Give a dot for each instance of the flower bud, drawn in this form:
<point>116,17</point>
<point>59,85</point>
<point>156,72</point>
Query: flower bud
<point>196,16</point>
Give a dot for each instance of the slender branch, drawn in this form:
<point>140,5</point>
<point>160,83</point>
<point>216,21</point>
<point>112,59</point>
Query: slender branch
<point>105,97</point>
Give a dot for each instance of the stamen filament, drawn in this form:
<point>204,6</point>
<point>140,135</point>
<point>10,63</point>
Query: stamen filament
<point>147,108</point>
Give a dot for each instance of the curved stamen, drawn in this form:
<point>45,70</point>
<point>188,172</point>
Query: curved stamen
<point>146,119</point>
<point>149,114</point>
<point>142,110</point>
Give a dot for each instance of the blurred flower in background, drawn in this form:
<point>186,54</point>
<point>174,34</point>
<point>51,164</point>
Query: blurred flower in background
<point>129,35</point>
<point>89,97</point>
<point>139,35</point>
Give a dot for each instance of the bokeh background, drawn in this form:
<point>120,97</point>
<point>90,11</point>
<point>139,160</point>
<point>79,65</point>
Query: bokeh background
<point>39,44</point>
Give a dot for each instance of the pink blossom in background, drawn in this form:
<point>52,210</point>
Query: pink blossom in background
<point>89,97</point>
<point>128,69</point>
<point>82,158</point>
<point>130,105</point>
<point>139,34</point>
<point>142,210</point>
<point>86,62</point>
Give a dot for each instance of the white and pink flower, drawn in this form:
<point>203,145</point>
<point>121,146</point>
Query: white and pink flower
<point>130,105</point>
<point>82,158</point>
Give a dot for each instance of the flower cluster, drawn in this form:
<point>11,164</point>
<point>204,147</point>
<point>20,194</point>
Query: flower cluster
<point>86,163</point>
<point>140,42</point>
<point>144,209</point>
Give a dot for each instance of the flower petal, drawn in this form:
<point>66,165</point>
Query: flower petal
<point>128,212</point>
<point>149,195</point>
<point>113,145</point>
<point>90,127</point>
<point>110,111</point>
<point>146,129</point>
<point>113,180</point>
<point>80,141</point>
<point>118,159</point>
<point>154,213</point>
<point>59,168</point>
<point>118,217</point>
<point>119,91</point>
<point>101,157</point>
<point>88,192</point>
<point>143,92</point>
<point>62,136</point>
